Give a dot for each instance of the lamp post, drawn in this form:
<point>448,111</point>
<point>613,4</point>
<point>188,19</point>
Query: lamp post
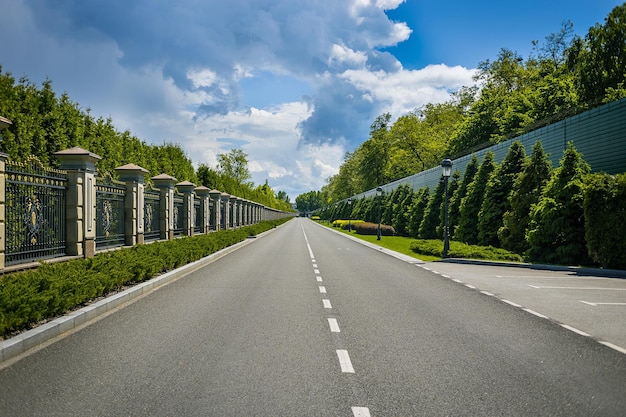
<point>379,193</point>
<point>350,215</point>
<point>446,167</point>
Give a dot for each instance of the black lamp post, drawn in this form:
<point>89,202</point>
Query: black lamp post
<point>379,193</point>
<point>350,215</point>
<point>446,167</point>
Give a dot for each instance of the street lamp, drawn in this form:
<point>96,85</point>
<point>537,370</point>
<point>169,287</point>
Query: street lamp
<point>446,167</point>
<point>379,193</point>
<point>350,215</point>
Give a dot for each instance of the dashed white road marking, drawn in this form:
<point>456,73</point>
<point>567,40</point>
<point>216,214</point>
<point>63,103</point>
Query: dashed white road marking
<point>326,303</point>
<point>334,326</point>
<point>322,289</point>
<point>488,293</point>
<point>317,271</point>
<point>458,281</point>
<point>344,361</point>
<point>511,303</point>
<point>612,346</point>
<point>541,287</point>
<point>318,278</point>
<point>471,287</point>
<point>314,265</point>
<point>602,304</point>
<point>361,412</point>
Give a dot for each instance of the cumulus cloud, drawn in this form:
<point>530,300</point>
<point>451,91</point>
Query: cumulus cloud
<point>295,84</point>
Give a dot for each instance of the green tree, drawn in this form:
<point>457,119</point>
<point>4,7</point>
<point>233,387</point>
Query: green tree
<point>235,165</point>
<point>557,228</point>
<point>417,209</point>
<point>458,196</point>
<point>527,191</point>
<point>496,198</point>
<point>467,230</point>
<point>430,221</point>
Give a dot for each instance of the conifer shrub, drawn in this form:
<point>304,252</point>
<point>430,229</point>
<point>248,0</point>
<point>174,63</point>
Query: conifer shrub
<point>53,289</point>
<point>434,247</point>
<point>367,228</point>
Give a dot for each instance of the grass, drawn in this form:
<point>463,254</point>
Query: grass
<point>430,250</point>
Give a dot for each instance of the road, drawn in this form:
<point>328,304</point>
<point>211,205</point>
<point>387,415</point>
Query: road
<point>306,322</point>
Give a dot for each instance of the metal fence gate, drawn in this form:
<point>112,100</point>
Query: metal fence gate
<point>35,212</point>
<point>152,214</point>
<point>110,195</point>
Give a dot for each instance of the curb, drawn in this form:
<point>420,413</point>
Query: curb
<point>30,339</point>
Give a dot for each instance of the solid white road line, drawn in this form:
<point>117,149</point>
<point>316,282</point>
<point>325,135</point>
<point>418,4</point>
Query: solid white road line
<point>614,347</point>
<point>306,239</point>
<point>361,412</point>
<point>344,361</point>
<point>326,304</point>
<point>334,326</point>
<point>575,330</point>
<point>541,287</point>
<point>602,304</point>
<point>534,313</point>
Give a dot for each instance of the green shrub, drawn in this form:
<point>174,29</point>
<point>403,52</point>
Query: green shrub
<point>366,228</point>
<point>345,225</point>
<point>463,250</point>
<point>52,289</point>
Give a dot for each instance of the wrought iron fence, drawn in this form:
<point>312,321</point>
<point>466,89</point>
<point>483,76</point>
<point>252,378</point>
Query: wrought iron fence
<point>198,226</point>
<point>110,195</point>
<point>179,209</point>
<point>152,213</point>
<point>35,212</point>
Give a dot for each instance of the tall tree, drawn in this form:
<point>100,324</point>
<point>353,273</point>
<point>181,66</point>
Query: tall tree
<point>496,198</point>
<point>430,222</point>
<point>527,191</point>
<point>458,196</point>
<point>235,165</point>
<point>557,228</point>
<point>467,230</point>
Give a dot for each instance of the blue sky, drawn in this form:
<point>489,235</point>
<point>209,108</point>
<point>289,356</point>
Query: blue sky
<point>293,83</point>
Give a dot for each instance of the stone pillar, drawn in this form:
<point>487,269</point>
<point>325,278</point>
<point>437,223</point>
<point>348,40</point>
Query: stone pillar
<point>165,183</point>
<point>225,197</point>
<point>203,194</point>
<point>133,176</point>
<point>216,197</point>
<point>186,188</point>
<point>80,203</point>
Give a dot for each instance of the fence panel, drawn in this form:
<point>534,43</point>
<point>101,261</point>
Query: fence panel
<point>35,212</point>
<point>198,223</point>
<point>152,215</point>
<point>179,209</point>
<point>110,196</point>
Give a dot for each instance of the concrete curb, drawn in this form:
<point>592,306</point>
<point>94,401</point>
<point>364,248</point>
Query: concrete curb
<point>27,340</point>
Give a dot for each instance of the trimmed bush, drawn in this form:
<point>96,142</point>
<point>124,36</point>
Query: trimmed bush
<point>53,289</point>
<point>367,228</point>
<point>462,250</point>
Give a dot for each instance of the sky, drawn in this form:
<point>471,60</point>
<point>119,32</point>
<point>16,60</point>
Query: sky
<point>295,84</point>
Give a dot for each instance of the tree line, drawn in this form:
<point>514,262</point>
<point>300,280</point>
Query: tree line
<point>561,216</point>
<point>44,123</point>
<point>563,76</point>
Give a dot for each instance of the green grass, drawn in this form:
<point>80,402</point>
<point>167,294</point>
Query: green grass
<point>396,243</point>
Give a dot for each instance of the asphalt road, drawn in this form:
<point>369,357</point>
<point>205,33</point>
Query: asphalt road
<point>304,322</point>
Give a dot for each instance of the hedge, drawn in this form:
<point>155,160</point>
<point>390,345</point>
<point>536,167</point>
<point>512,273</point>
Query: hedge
<point>462,250</point>
<point>366,228</point>
<point>51,290</point>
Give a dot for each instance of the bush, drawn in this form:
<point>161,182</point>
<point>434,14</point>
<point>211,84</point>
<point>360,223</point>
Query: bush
<point>351,224</point>
<point>463,250</point>
<point>315,218</point>
<point>51,290</point>
<point>366,228</point>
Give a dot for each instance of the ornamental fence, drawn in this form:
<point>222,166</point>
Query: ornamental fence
<point>48,213</point>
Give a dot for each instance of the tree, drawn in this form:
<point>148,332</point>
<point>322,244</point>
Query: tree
<point>527,191</point>
<point>458,196</point>
<point>417,209</point>
<point>557,227</point>
<point>235,165</point>
<point>430,222</point>
<point>496,198</point>
<point>599,59</point>
<point>467,230</point>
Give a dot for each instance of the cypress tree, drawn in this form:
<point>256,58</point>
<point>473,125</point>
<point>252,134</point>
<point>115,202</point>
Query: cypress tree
<point>400,212</point>
<point>557,227</point>
<point>467,231</point>
<point>428,227</point>
<point>526,192</point>
<point>456,197</point>
<point>496,200</point>
<point>417,209</point>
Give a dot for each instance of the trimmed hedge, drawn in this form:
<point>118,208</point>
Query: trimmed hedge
<point>366,228</point>
<point>51,290</point>
<point>462,250</point>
